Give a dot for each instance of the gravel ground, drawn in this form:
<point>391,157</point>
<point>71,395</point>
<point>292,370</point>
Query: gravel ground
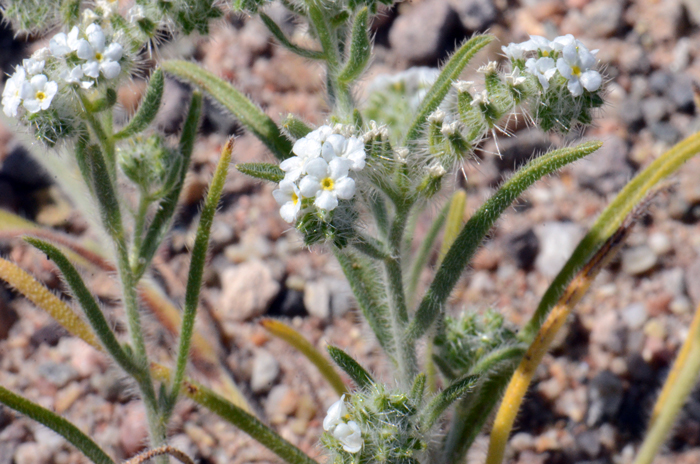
<point>591,396</point>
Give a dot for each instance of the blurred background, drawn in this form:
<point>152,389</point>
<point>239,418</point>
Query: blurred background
<point>591,397</point>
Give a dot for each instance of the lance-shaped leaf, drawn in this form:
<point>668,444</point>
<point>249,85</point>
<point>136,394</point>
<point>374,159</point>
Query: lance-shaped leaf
<point>418,388</point>
<point>445,398</point>
<point>56,423</point>
<point>439,90</point>
<point>104,190</point>
<point>473,233</point>
<point>28,286</point>
<point>360,49</point>
<point>264,171</point>
<point>246,111</point>
<point>357,373</point>
<point>247,423</point>
<point>148,109</point>
<point>166,208</point>
<point>279,35</point>
<point>87,302</point>
<point>609,221</point>
<point>295,127</point>
<point>295,339</point>
<point>199,257</point>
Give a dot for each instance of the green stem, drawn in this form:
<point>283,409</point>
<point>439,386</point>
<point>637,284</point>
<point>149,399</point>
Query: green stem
<point>103,139</point>
<point>139,222</point>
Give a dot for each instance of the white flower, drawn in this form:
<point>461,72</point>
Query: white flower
<point>41,54</point>
<point>89,16</point>
<point>33,66</point>
<point>12,94</point>
<point>462,86</point>
<point>336,413</point>
<point>575,65</point>
<point>38,94</point>
<point>450,128</point>
<point>135,13</point>
<point>327,182</point>
<point>289,197</point>
<point>350,436</point>
<point>351,149</point>
<point>109,7</point>
<point>305,149</point>
<point>62,44</point>
<point>100,59</point>
<point>488,68</point>
<point>563,40</point>
<point>481,98</point>
<point>513,51</point>
<point>74,76</point>
<point>542,68</point>
<point>514,78</point>
<point>538,43</point>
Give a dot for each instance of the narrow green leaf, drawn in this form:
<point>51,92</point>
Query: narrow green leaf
<point>246,111</point>
<point>166,208</point>
<point>455,222</point>
<point>198,259</point>
<point>445,398</point>
<point>247,423</point>
<point>439,90</point>
<point>357,120</point>
<point>264,171</point>
<point>150,104</point>
<point>366,284</point>
<point>426,246</point>
<point>104,191</point>
<point>56,423</point>
<point>88,304</point>
<point>608,222</point>
<point>418,388</point>
<point>279,35</point>
<point>357,373</point>
<point>360,49</point>
<point>295,339</point>
<point>478,226</point>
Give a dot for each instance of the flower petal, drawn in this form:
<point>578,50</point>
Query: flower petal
<point>289,211</point>
<point>92,69</point>
<point>84,50</point>
<point>309,186</point>
<point>114,52</point>
<point>307,148</point>
<point>317,167</point>
<point>96,37</point>
<point>564,68</point>
<point>339,168</point>
<point>345,188</point>
<point>326,200</point>
<point>575,87</point>
<point>110,69</point>
<point>591,80</point>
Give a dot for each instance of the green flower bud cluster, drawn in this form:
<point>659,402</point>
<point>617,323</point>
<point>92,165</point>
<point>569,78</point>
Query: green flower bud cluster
<point>150,164</point>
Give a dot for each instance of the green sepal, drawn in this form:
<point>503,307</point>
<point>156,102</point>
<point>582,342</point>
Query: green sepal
<point>418,389</point>
<point>357,373</point>
<point>264,171</point>
<point>360,49</point>
<point>357,120</point>
<point>295,127</point>
<point>148,109</point>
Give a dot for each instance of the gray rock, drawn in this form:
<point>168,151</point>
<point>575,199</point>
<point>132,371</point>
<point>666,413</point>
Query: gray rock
<point>680,92</point>
<point>635,315</point>
<point>246,290</point>
<point>666,132</point>
<point>655,109</point>
<point>609,331</point>
<point>557,241</point>
<point>342,298</point>
<point>421,33</point>
<point>588,441</point>
<point>317,299</point>
<point>638,260</point>
<point>58,374</point>
<point>265,371</point>
<point>606,171</point>
<point>602,18</point>
<point>475,15</point>
<point>523,248</point>
<point>630,112</point>
<point>660,81</point>
<point>604,398</point>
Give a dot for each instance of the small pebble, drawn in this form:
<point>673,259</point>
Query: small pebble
<point>265,371</point>
<point>660,243</point>
<point>638,260</point>
<point>635,315</point>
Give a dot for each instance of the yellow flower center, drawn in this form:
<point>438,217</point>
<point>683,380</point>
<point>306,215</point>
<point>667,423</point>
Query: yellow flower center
<point>295,198</point>
<point>98,56</point>
<point>545,53</point>
<point>327,184</point>
<point>576,71</point>
<point>40,95</point>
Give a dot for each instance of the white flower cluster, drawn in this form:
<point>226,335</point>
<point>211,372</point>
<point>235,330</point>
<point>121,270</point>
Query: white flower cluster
<point>347,433</point>
<point>565,54</point>
<point>89,56</point>
<point>320,169</point>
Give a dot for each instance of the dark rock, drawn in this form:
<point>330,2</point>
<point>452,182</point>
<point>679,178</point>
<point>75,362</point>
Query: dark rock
<point>517,151</point>
<point>289,303</point>
<point>475,15</point>
<point>5,417</point>
<point>666,132</point>
<point>604,398</point>
<point>681,93</point>
<point>215,119</point>
<point>8,317</point>
<point>606,171</point>
<point>424,32</point>
<point>174,107</point>
<point>523,248</point>
<point>23,172</point>
<point>12,49</point>
<point>655,109</point>
<point>49,334</point>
